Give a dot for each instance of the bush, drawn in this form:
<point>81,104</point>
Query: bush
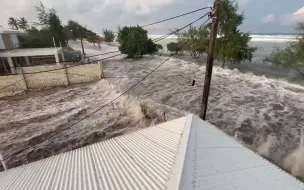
<point>150,47</point>
<point>134,42</point>
<point>108,36</point>
<point>173,47</point>
<point>159,46</point>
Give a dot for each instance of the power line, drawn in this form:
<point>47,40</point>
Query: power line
<point>51,136</point>
<point>174,32</point>
<point>176,17</point>
<point>129,89</point>
<point>155,40</point>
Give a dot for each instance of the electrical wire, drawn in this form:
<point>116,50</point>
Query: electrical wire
<point>126,91</point>
<point>156,40</point>
<point>54,134</point>
<point>176,17</point>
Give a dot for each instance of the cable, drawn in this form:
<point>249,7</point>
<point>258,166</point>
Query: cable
<point>133,86</point>
<point>176,16</point>
<point>155,40</point>
<point>51,136</point>
<point>163,37</point>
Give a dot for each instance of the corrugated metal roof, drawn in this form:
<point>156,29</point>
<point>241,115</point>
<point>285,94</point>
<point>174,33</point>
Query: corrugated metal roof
<point>186,153</point>
<point>139,160</point>
<point>216,161</point>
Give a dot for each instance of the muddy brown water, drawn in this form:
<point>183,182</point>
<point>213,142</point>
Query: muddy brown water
<point>242,105</point>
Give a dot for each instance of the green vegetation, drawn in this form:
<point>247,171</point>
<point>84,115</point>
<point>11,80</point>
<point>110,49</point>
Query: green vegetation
<point>134,42</point>
<point>95,39</point>
<point>23,23</point>
<point>13,23</point>
<point>34,38</point>
<point>291,55</point>
<point>74,30</point>
<point>56,29</point>
<point>173,47</point>
<point>51,27</point>
<point>109,36</point>
<point>195,41</point>
<point>232,46</point>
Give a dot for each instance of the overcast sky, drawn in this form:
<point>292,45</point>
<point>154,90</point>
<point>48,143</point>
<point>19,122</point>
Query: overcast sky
<point>262,16</point>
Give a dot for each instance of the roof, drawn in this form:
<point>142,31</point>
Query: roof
<point>186,153</point>
<point>30,52</point>
<point>8,31</point>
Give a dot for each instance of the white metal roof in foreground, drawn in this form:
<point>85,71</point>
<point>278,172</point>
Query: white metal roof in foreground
<point>186,153</point>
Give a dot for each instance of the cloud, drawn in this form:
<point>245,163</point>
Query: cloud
<point>293,18</point>
<point>95,14</point>
<point>269,18</point>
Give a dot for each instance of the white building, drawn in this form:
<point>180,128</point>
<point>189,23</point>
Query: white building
<point>11,56</point>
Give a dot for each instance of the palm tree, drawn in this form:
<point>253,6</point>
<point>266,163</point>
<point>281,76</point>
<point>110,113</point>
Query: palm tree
<point>13,23</point>
<point>22,23</point>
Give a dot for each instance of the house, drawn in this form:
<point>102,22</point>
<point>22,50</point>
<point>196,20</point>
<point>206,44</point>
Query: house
<point>186,153</point>
<point>12,56</point>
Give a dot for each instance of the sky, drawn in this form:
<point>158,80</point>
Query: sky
<point>261,16</point>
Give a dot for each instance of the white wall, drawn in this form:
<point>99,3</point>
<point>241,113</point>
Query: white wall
<point>1,42</point>
<point>15,40</point>
<point>60,77</point>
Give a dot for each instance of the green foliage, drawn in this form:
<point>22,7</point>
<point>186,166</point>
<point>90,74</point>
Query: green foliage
<point>173,47</point>
<point>150,47</point>
<point>95,39</point>
<point>23,23</point>
<point>233,45</point>
<point>74,30</point>
<point>195,41</point>
<point>44,15</point>
<point>134,42</point>
<point>159,46</point>
<point>51,27</point>
<point>13,23</point>
<point>34,38</point>
<point>108,35</point>
<point>56,29</point>
<point>291,55</point>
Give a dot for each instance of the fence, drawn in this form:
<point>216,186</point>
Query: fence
<point>60,76</point>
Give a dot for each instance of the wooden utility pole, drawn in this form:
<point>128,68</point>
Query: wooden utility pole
<point>210,58</point>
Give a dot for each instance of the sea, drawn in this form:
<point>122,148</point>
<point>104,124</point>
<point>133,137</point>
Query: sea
<point>265,44</point>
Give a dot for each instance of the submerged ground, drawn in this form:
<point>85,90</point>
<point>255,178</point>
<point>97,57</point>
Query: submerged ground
<point>264,114</point>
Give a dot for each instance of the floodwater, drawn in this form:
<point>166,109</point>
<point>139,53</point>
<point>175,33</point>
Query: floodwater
<point>264,114</point>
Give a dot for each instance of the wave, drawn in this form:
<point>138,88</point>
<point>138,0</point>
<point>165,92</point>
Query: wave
<point>255,38</point>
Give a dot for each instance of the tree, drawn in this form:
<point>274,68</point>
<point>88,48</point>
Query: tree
<point>92,39</point>
<point>150,47</point>
<point>159,46</point>
<point>134,42</point>
<point>13,23</point>
<point>23,23</point>
<point>34,38</point>
<point>293,54</point>
<point>195,41</point>
<point>44,15</point>
<point>56,30</point>
<point>74,30</point>
<point>109,36</point>
<point>173,47</point>
<point>232,46</point>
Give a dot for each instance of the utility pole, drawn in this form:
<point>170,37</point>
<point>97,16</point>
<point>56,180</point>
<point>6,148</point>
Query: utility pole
<point>210,58</point>
<point>82,45</point>
<point>79,30</point>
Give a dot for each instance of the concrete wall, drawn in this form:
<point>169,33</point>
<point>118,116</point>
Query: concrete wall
<point>1,42</point>
<point>60,77</point>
